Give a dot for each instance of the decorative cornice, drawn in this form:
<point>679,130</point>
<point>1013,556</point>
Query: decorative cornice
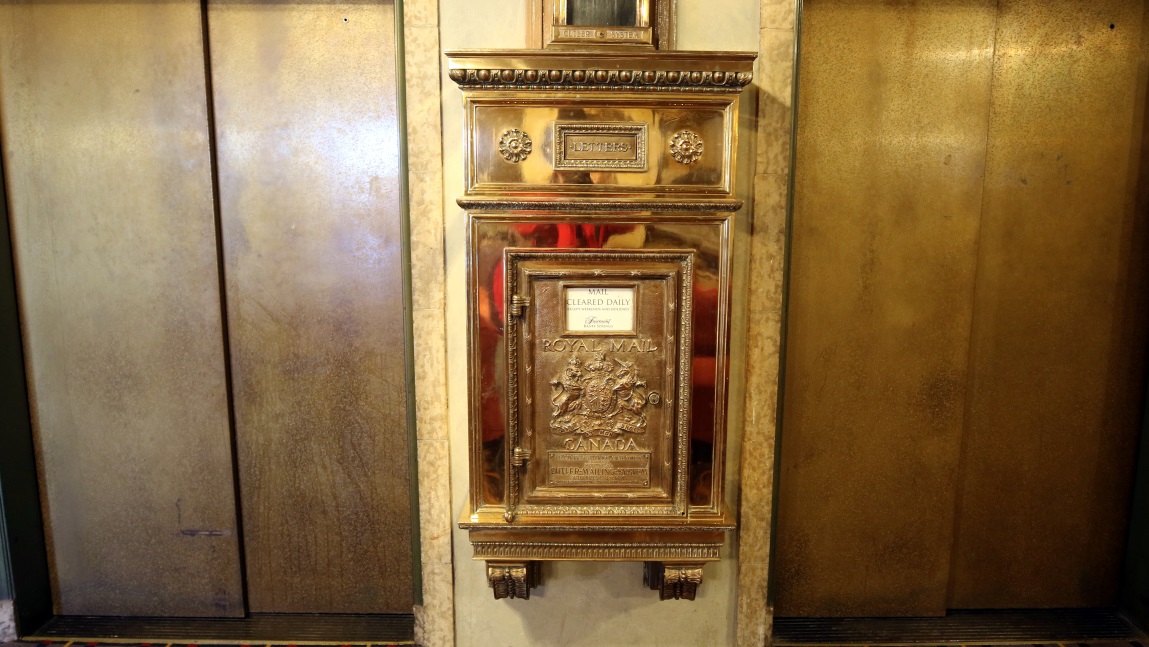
<point>721,72</point>
<point>597,79</point>
<point>607,551</point>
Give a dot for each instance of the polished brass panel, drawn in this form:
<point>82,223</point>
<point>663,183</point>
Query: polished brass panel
<point>549,527</point>
<point>606,408</point>
<point>103,119</point>
<point>1058,349</point>
<point>309,193</point>
<point>703,234</point>
<point>888,175</point>
<point>598,301</point>
<point>554,171</point>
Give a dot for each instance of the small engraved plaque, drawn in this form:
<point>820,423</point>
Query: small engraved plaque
<point>565,34</point>
<point>600,147</point>
<point>599,309</point>
<point>599,469</point>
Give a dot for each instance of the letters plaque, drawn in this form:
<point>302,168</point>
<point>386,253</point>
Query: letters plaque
<point>599,146</point>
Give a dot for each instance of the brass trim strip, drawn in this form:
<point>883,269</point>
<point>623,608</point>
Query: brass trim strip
<point>574,551</point>
<point>599,79</point>
<point>623,70</point>
<point>614,207</point>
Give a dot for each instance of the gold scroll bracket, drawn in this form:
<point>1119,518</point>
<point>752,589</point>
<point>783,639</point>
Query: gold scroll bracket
<point>677,581</point>
<point>513,579</point>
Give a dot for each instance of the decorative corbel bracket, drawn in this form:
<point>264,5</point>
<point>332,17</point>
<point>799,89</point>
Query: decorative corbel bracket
<point>678,581</point>
<point>513,579</point>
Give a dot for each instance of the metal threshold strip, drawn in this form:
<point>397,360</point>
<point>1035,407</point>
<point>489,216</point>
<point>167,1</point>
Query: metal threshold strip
<point>257,629</point>
<point>1013,627</point>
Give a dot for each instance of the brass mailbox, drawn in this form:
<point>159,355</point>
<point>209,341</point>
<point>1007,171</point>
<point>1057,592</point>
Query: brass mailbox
<point>599,204</point>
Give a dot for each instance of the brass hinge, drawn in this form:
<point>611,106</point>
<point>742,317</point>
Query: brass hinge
<point>520,457</point>
<point>519,305</point>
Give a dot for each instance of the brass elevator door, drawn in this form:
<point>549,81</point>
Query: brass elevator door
<point>205,212</point>
<point>967,318</point>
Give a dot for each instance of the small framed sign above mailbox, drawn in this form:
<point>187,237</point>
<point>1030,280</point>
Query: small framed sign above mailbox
<point>599,309</point>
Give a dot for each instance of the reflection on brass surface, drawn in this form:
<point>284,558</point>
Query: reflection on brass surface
<point>598,300</point>
<point>1057,360</point>
<point>310,216</point>
<point>513,579</point>
<point>556,171</point>
<point>887,197</point>
<point>673,581</point>
<point>661,94</point>
<point>515,145</point>
<point>103,120</point>
<point>599,146</point>
<point>703,232</point>
<point>967,325</point>
<point>686,147</point>
<point>597,401</point>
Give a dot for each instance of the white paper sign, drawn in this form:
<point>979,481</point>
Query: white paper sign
<point>600,309</point>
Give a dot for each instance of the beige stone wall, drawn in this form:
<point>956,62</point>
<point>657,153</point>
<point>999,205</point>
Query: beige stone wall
<point>774,82</point>
<point>592,603</point>
<point>7,621</point>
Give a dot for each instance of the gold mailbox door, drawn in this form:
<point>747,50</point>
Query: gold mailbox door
<point>598,381</point>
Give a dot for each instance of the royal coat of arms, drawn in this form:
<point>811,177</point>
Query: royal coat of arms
<point>602,397</point>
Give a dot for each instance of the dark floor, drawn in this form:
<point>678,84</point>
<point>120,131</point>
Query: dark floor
<point>256,629</point>
<point>1041,627</point>
<point>212,643</point>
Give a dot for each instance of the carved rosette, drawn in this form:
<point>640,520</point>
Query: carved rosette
<point>512,579</point>
<point>673,581</point>
<point>686,147</point>
<point>515,145</point>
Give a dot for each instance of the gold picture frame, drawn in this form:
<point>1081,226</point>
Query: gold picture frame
<point>653,27</point>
